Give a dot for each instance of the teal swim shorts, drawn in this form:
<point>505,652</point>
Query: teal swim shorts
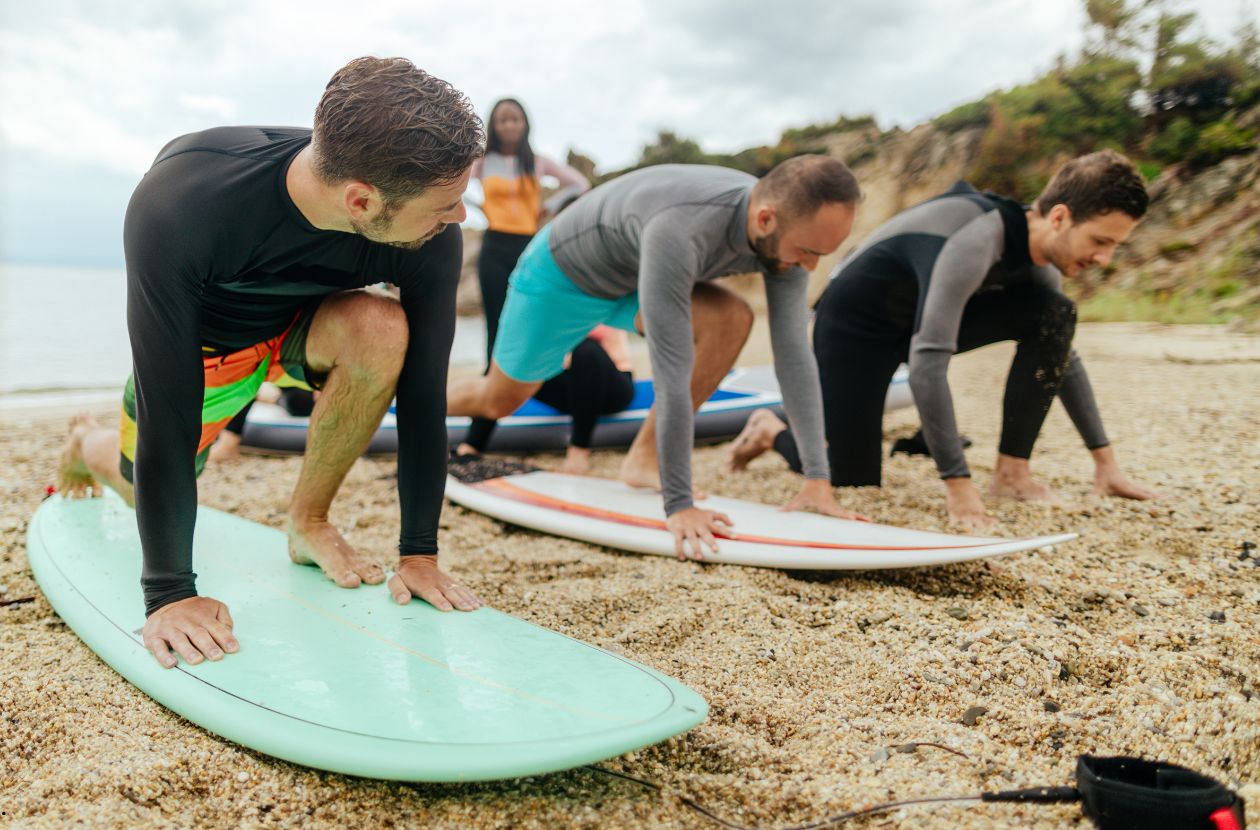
<point>546,316</point>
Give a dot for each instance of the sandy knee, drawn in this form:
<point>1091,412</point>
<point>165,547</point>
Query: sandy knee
<point>361,328</point>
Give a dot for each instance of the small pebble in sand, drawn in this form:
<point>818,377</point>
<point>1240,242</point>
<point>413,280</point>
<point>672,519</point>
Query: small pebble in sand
<point>1167,602</point>
<point>879,756</point>
<point>1050,706</point>
<point>973,714</point>
<point>242,776</point>
<point>1141,610</point>
<point>1217,616</point>
<point>956,612</point>
<point>908,749</point>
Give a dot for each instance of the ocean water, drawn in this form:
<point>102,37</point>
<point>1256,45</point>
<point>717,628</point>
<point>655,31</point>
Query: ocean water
<point>63,334</point>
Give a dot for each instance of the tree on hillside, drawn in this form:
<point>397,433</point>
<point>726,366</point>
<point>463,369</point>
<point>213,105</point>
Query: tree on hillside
<point>1116,22</point>
<point>671,149</point>
<point>1185,78</point>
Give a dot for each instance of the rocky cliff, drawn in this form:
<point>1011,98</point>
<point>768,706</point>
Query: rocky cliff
<point>1194,258</point>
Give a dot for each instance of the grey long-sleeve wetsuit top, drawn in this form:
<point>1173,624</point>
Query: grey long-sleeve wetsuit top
<point>954,246</point>
<point>660,231</point>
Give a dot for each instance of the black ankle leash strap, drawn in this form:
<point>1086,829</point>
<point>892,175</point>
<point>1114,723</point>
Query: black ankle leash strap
<point>1129,793</point>
<point>1116,793</point>
<point>1132,794</point>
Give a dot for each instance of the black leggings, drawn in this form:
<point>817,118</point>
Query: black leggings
<point>590,387</point>
<point>855,374</point>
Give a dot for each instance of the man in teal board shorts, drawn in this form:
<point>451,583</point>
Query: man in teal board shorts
<point>640,253</point>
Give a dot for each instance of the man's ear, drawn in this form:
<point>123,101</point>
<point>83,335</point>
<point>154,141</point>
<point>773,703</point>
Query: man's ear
<point>766,219</point>
<point>361,200</point>
<point>1060,217</point>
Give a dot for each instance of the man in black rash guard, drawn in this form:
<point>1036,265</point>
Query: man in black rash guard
<point>957,272</point>
<point>245,248</point>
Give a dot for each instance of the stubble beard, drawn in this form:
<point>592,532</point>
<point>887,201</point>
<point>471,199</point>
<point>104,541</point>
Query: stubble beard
<point>765,250</point>
<point>378,227</point>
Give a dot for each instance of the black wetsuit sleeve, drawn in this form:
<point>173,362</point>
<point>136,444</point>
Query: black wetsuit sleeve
<point>1075,391</point>
<point>163,320</point>
<point>428,299</point>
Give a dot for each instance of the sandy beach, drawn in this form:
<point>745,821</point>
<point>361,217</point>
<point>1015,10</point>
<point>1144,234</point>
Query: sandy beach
<point>828,691</point>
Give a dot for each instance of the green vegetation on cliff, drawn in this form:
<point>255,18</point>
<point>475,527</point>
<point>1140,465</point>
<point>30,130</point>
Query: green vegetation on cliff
<point>1179,105</point>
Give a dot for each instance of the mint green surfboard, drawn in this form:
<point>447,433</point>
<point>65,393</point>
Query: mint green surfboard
<point>345,680</point>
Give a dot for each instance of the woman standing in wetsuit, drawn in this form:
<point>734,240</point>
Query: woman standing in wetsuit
<point>597,380</point>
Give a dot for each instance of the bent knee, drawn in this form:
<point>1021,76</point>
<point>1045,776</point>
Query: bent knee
<point>725,306</point>
<point>380,319</point>
<point>367,329</point>
<point>1058,314</point>
<point>501,406</point>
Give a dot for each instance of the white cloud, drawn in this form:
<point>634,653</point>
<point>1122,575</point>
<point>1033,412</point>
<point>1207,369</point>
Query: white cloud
<point>106,83</point>
<point>216,105</point>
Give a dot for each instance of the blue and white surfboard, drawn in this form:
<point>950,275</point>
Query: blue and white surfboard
<point>537,427</point>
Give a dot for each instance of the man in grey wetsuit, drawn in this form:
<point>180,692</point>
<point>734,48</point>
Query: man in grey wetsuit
<point>639,253</point>
<point>955,273</point>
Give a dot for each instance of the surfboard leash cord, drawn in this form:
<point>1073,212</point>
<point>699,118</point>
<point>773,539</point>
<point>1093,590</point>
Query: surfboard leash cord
<point>1116,793</point>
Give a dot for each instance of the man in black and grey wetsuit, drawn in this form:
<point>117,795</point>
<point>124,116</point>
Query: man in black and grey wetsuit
<point>957,272</point>
<point>244,248</point>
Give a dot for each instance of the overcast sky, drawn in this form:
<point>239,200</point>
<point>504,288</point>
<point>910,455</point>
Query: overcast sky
<point>90,90</point>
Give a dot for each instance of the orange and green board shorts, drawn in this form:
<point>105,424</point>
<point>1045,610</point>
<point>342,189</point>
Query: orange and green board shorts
<point>232,381</point>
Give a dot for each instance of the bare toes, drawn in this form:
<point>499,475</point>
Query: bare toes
<point>348,579</point>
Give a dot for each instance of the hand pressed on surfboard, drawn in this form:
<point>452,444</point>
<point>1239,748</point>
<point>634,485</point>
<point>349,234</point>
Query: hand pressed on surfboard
<point>815,495</point>
<point>697,527</point>
<point>420,576</point>
<point>196,628</point>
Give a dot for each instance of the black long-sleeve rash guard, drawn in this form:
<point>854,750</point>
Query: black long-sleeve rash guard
<point>219,255</point>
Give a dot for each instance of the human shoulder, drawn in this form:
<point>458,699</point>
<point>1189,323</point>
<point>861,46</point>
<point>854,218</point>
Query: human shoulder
<point>257,143</point>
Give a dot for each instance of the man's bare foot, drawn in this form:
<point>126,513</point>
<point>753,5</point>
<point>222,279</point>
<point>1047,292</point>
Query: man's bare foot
<point>642,475</point>
<point>1110,480</point>
<point>1116,483</point>
<point>577,461</point>
<point>316,542</point>
<point>1013,479</point>
<point>1020,488</point>
<point>226,449</point>
<point>638,473</point>
<point>74,481</point>
<point>964,505</point>
<point>756,437</point>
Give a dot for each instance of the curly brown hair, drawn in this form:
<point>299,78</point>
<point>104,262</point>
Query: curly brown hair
<point>385,122</point>
<point>1095,184</point>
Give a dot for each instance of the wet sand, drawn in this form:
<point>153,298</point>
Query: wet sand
<point>816,681</point>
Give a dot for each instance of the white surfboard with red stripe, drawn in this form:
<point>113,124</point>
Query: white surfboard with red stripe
<point>609,513</point>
